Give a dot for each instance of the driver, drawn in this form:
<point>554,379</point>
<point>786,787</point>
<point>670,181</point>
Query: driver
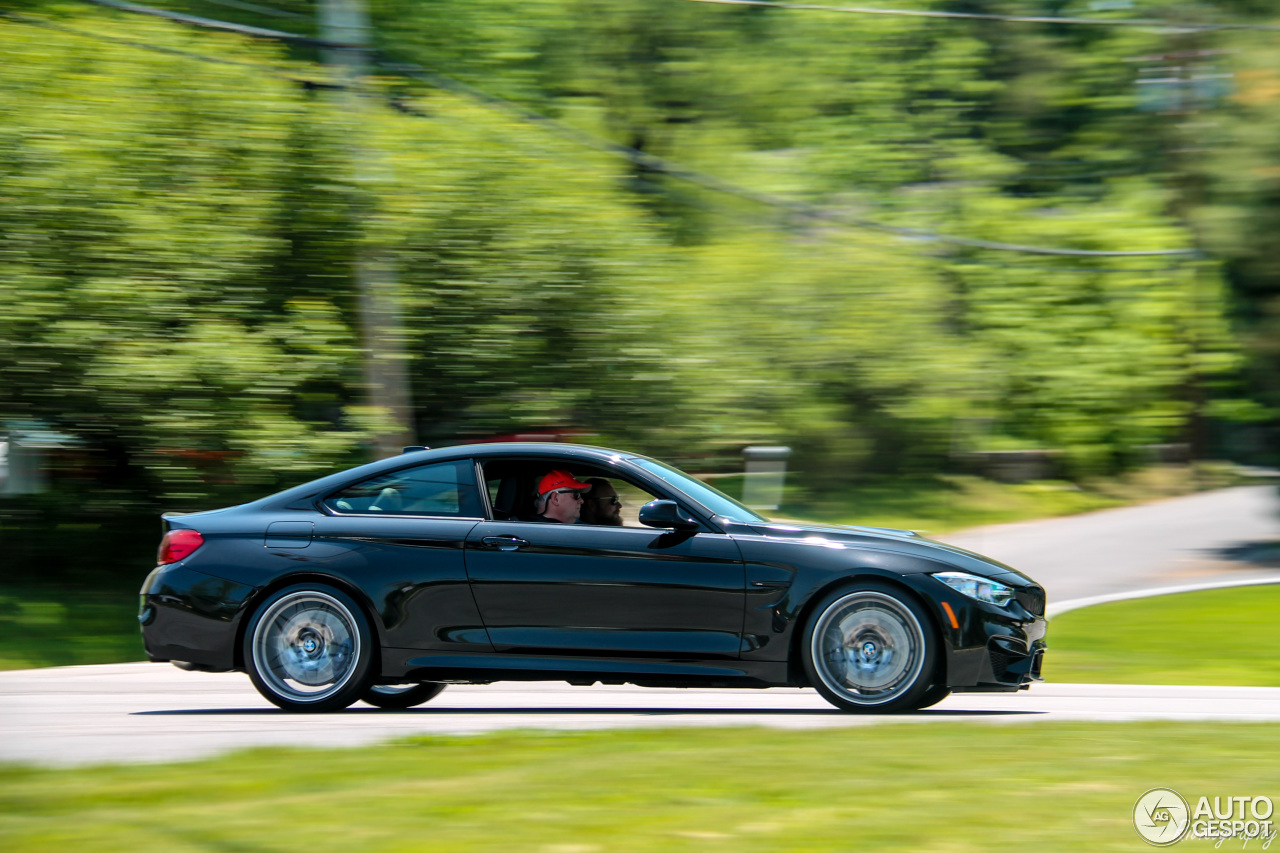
<point>559,498</point>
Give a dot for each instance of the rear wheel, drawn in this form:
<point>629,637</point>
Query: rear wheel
<point>870,649</point>
<point>308,648</point>
<point>397,697</point>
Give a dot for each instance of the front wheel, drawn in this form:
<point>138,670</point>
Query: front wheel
<point>397,697</point>
<point>933,696</point>
<point>870,649</point>
<point>308,648</point>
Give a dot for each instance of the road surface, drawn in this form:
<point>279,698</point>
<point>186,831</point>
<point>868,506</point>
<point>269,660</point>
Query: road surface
<point>1207,537</point>
<point>130,713</point>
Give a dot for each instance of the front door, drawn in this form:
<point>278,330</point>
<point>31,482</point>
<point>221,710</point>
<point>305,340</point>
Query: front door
<point>586,590</point>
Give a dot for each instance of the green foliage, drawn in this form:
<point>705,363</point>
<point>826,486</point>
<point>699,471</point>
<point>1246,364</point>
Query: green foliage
<point>524,278</point>
<point>1240,209</point>
<point>178,241</point>
<point>143,229</point>
<point>67,625</point>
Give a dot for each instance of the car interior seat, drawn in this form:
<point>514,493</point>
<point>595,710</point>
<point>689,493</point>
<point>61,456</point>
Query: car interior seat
<point>506,505</point>
<point>388,500</point>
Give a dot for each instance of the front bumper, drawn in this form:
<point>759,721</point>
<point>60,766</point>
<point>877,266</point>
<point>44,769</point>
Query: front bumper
<point>990,649</point>
<point>1004,666</point>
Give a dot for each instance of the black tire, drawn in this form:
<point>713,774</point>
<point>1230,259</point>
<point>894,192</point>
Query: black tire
<point>309,648</point>
<point>935,694</point>
<point>397,697</point>
<point>870,648</point>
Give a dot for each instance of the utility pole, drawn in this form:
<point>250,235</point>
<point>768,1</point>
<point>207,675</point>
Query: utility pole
<point>1183,83</point>
<point>384,366</point>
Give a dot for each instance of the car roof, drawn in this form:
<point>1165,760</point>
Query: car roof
<point>300,495</point>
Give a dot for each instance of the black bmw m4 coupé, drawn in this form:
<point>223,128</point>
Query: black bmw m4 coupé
<point>475,564</point>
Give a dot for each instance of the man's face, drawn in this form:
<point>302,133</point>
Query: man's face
<point>608,506</point>
<point>564,506</point>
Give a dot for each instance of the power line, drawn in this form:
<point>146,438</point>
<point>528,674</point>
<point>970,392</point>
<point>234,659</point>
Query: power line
<point>1150,24</point>
<point>214,24</point>
<point>653,163</point>
<point>1173,266</point>
<point>648,161</point>
<point>261,10</point>
<point>1175,262</point>
<point>641,158</point>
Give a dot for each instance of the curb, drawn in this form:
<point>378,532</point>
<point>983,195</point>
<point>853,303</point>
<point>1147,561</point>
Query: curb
<point>1076,603</point>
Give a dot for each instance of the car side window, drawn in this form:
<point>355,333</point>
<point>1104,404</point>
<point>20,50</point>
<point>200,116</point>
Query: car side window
<point>612,502</point>
<point>443,489</point>
<point>632,497</point>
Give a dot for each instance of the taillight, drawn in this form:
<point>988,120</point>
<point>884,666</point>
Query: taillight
<point>178,545</point>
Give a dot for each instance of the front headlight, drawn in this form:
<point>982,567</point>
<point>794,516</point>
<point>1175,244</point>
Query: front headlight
<point>983,589</point>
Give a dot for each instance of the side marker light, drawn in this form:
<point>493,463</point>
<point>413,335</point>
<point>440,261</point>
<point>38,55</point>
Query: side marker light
<point>951,614</point>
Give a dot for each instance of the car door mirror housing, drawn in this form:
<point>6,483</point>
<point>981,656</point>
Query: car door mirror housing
<point>666,514</point>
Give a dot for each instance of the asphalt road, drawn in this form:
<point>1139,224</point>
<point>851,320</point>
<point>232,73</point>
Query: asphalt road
<point>129,713</point>
<point>1204,538</point>
<point>153,712</point>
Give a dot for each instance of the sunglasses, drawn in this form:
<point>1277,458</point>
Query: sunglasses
<point>574,493</point>
<point>613,499</point>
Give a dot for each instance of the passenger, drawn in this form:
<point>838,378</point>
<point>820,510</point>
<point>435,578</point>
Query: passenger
<point>602,506</point>
<point>559,498</point>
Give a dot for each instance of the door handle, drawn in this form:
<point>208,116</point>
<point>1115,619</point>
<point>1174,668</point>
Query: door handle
<point>505,543</point>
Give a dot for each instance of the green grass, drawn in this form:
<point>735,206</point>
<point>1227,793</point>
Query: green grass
<point>68,624</point>
<point>938,505</point>
<point>1217,637</point>
<point>958,787</point>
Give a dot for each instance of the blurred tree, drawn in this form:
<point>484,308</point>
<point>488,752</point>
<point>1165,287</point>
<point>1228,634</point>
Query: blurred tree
<point>164,229</point>
<point>1239,216</point>
<point>177,240</point>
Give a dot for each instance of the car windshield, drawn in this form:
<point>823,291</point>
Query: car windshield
<point>713,499</point>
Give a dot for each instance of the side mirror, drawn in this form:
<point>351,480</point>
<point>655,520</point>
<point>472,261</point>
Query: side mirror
<point>666,514</point>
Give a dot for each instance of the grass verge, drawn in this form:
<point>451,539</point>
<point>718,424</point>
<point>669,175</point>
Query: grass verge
<point>68,624</point>
<point>940,504</point>
<point>1215,637</point>
<point>970,787</point>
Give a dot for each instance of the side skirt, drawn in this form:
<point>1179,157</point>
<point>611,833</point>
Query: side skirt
<point>480,668</point>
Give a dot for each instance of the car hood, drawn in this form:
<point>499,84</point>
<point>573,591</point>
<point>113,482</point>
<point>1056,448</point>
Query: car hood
<point>882,538</point>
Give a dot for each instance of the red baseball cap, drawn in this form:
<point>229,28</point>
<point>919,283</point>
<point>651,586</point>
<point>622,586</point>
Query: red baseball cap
<point>560,479</point>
